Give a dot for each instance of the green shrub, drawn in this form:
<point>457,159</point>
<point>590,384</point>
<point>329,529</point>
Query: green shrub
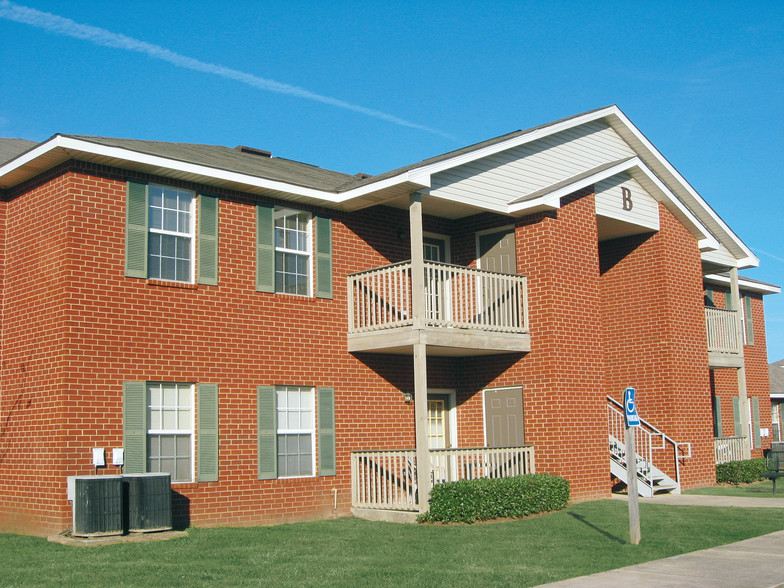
<point>468,501</point>
<point>741,472</point>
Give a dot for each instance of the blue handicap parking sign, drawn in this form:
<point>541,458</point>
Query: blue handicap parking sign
<point>630,408</point>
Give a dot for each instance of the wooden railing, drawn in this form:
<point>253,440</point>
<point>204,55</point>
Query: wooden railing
<point>722,328</point>
<point>729,449</point>
<point>455,296</point>
<point>387,479</point>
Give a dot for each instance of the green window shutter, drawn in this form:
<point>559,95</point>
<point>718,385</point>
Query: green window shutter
<point>755,416</point>
<point>207,433</point>
<point>736,416</point>
<point>135,427</point>
<point>136,230</point>
<point>265,249</point>
<point>728,300</point>
<point>326,431</point>
<point>717,417</point>
<point>208,240</point>
<point>709,297</point>
<point>749,320</point>
<point>323,257</point>
<point>267,432</point>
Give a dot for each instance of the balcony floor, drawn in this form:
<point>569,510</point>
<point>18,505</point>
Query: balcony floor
<point>440,341</point>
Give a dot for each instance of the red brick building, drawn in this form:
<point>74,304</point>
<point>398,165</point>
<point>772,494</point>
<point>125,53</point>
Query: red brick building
<point>290,342</point>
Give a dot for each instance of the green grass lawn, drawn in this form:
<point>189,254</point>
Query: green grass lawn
<point>582,539</point>
<point>755,490</point>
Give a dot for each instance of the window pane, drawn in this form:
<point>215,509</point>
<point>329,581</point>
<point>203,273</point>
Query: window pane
<point>183,473</point>
<point>154,446</point>
<point>169,220</point>
<point>167,445</point>
<point>183,420</point>
<point>170,198</point>
<point>169,395</point>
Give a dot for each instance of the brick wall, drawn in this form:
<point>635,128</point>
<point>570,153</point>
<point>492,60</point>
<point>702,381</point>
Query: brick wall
<point>654,338</point>
<point>75,328</point>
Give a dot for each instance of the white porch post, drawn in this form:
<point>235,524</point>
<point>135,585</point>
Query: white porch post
<point>420,350</point>
<point>743,399</point>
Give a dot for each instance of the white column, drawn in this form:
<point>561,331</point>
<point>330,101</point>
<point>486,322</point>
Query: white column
<point>420,350</point>
<point>743,399</point>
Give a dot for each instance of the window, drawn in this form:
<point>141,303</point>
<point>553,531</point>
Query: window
<point>287,436</point>
<point>159,434</point>
<point>170,432</point>
<point>292,252</point>
<point>296,440</point>
<point>170,251</point>
<point>747,321</point>
<point>161,235</point>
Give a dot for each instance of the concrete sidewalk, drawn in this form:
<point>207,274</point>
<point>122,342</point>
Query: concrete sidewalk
<point>753,563</point>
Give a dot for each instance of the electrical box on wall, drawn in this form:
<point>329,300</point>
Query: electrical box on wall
<point>118,456</point>
<point>99,457</point>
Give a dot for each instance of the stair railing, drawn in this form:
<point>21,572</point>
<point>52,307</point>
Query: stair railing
<point>647,440</point>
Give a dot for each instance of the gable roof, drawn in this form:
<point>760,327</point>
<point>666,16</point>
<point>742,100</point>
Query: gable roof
<point>299,182</point>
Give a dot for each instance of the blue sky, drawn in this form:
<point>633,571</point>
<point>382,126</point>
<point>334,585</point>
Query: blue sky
<point>371,86</point>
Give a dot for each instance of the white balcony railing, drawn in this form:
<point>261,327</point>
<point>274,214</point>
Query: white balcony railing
<point>387,479</point>
<point>722,328</point>
<point>455,296</point>
<point>729,449</point>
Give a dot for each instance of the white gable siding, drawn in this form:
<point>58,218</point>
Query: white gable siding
<point>494,181</point>
<point>610,204</point>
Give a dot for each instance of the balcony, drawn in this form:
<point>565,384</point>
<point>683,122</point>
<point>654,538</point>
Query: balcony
<point>386,480</point>
<point>725,347</point>
<point>466,311</point>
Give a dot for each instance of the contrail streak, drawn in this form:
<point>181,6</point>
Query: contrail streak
<point>99,36</point>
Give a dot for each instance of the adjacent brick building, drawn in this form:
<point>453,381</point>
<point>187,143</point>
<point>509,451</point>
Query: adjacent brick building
<point>275,335</point>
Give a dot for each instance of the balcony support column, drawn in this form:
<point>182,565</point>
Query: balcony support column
<point>420,349</point>
<point>420,414</point>
<point>417,260</point>
<point>743,399</point>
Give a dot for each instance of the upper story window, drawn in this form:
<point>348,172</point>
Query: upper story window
<point>293,260</point>
<point>171,234</point>
<point>171,243</point>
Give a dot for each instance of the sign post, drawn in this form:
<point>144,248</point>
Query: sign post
<point>632,421</point>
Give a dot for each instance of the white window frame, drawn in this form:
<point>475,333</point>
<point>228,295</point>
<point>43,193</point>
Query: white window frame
<point>308,253</point>
<point>190,431</point>
<point>307,431</point>
<point>190,235</point>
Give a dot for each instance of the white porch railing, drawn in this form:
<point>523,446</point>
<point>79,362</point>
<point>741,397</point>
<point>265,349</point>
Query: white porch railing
<point>729,449</point>
<point>647,440</point>
<point>387,479</point>
<point>722,328</point>
<point>455,296</point>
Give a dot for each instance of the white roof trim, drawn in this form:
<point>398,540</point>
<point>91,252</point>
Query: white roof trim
<point>750,260</point>
<point>744,284</point>
<point>70,143</point>
<point>421,176</point>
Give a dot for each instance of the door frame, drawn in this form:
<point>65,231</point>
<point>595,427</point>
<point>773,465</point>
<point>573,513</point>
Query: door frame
<point>479,234</point>
<point>451,412</point>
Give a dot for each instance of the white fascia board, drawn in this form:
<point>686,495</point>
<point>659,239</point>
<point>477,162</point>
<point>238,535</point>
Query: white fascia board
<point>31,155</point>
<point>191,168</point>
<point>73,144</point>
<point>744,284</point>
<point>552,200</point>
<point>671,200</point>
<point>682,181</point>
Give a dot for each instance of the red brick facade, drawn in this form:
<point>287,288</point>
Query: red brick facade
<point>74,328</point>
